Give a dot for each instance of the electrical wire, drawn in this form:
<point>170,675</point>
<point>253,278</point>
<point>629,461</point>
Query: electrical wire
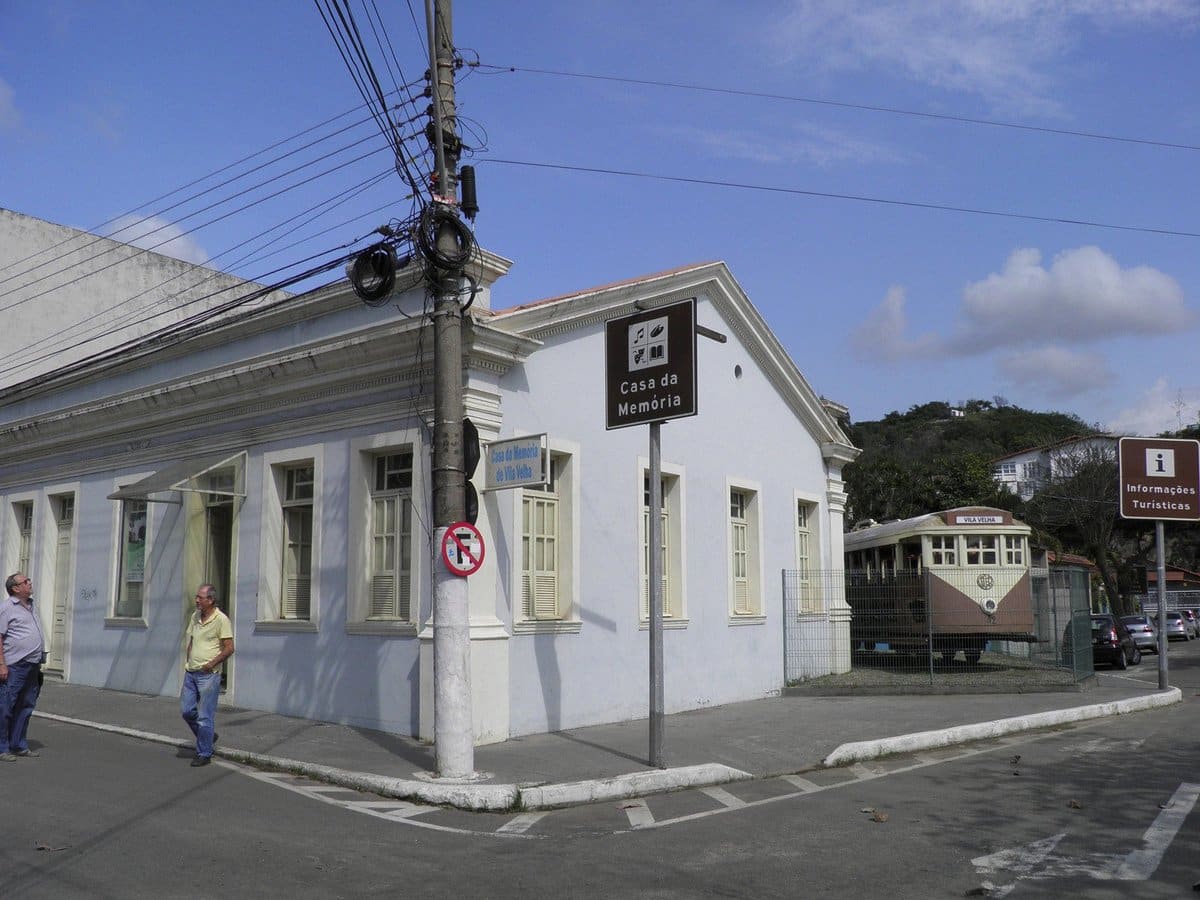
<point>893,110</point>
<point>861,198</point>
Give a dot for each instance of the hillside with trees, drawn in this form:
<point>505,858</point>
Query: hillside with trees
<point>931,458</point>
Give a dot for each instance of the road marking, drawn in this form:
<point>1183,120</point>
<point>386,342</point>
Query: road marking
<point>638,813</point>
<point>1140,864</point>
<point>1039,860</point>
<point>803,783</point>
<point>521,823</point>
<point>723,797</point>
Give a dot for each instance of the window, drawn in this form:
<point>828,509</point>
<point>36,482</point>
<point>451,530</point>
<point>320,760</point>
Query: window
<point>670,548</point>
<point>941,550</point>
<point>391,537</point>
<point>546,586</point>
<point>24,515</point>
<point>131,561</point>
<point>297,542</point>
<point>289,561</point>
<point>982,550</point>
<point>1014,550</point>
<point>540,540</point>
<point>1007,469</point>
<point>745,587</point>
<point>810,599</point>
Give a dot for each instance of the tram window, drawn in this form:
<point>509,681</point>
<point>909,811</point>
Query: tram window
<point>1014,550</point>
<point>942,551</point>
<point>982,550</point>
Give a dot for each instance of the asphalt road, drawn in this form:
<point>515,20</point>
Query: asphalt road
<point>1102,810</point>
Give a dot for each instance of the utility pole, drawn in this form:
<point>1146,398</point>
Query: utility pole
<point>453,731</point>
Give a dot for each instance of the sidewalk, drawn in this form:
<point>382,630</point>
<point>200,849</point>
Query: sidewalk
<point>756,739</point>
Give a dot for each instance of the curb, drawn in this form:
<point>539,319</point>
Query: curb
<point>928,740</point>
<point>458,794</point>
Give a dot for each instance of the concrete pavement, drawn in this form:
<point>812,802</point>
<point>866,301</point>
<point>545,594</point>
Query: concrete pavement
<point>756,739</point>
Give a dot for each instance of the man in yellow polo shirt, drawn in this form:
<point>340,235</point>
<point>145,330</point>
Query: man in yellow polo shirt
<point>209,644</point>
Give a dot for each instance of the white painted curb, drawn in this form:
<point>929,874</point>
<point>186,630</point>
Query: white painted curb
<point>638,784</point>
<point>961,734</point>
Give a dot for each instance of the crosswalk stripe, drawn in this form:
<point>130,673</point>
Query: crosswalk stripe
<point>521,823</point>
<point>723,797</point>
<point>803,783</point>
<point>638,813</point>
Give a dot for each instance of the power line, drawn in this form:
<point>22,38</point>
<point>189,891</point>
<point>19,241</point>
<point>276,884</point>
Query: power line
<point>866,107</point>
<point>861,198</point>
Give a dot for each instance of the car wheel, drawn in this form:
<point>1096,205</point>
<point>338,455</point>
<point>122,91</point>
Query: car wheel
<point>1137,656</point>
<point>1121,662</point>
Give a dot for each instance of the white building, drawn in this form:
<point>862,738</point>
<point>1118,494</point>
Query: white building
<point>281,452</point>
<point>1026,472</point>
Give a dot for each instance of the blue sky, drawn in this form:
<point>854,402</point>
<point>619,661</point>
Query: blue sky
<point>885,301</point>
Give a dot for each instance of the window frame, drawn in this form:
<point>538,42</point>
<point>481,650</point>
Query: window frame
<point>811,600</point>
<point>564,464</point>
<point>116,616</point>
<point>675,610</point>
<point>360,536</point>
<point>273,468</point>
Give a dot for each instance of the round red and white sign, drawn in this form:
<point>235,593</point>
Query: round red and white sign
<point>462,549</point>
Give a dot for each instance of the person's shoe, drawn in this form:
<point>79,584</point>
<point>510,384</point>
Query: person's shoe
<point>201,761</point>
<point>8,757</point>
<point>27,753</point>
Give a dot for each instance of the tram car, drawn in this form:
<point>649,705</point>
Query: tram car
<point>943,582</point>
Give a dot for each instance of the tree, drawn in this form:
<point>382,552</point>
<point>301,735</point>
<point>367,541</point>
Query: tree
<point>1079,506</point>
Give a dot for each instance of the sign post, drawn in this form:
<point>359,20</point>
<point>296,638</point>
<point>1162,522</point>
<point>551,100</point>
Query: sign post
<point>1159,479</point>
<point>650,377</point>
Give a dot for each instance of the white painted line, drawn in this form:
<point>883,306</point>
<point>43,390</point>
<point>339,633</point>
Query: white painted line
<point>803,783</point>
<point>1140,864</point>
<point>521,823</point>
<point>723,797</point>
<point>638,813</point>
<point>400,813</point>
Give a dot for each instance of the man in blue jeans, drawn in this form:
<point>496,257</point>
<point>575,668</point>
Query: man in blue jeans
<point>22,652</point>
<point>209,644</point>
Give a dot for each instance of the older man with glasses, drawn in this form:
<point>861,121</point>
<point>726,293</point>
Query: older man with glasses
<point>209,644</point>
<point>22,652</point>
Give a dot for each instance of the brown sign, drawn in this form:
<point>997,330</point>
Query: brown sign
<point>1159,478</point>
<point>650,365</point>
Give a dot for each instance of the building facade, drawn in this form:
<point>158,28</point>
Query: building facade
<point>281,452</point>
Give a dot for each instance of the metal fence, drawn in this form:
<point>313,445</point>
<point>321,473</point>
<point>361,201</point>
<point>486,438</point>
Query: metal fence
<point>975,628</point>
<point>1176,600</point>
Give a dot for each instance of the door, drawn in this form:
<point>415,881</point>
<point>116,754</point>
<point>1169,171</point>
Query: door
<point>64,564</point>
<point>218,560</point>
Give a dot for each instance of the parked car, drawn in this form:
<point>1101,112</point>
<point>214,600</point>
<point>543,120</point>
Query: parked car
<point>1112,643</point>
<point>1177,628</point>
<point>1143,632</point>
<point>1193,624</point>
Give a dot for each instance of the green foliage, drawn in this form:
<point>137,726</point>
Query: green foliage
<point>929,459</point>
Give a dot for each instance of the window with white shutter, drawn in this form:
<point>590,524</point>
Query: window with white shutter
<point>391,538</point>
<point>296,583</point>
<point>745,576</point>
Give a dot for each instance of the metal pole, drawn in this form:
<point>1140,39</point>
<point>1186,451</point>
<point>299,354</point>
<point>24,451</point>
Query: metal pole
<point>654,574</point>
<point>1162,604</point>
<point>453,730</point>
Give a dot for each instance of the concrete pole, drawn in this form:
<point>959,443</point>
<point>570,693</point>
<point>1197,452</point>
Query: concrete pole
<point>453,731</point>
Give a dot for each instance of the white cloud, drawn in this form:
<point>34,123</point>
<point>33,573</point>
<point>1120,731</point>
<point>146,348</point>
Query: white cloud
<point>1161,408</point>
<point>1056,371</point>
<point>882,334</point>
<point>1084,295</point>
<point>810,144</point>
<point>159,235</point>
<point>10,116</point>
<point>1001,50</point>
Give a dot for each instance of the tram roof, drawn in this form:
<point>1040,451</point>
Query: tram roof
<point>962,518</point>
